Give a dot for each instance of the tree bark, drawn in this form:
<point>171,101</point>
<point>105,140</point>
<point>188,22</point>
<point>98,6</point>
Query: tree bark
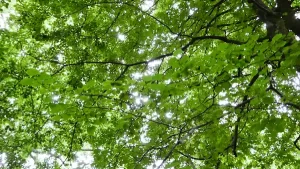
<point>281,19</point>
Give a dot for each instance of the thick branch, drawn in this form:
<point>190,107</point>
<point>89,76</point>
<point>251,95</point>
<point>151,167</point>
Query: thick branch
<point>281,19</point>
<point>272,88</point>
<point>191,157</point>
<point>288,15</point>
<point>296,141</point>
<point>128,65</point>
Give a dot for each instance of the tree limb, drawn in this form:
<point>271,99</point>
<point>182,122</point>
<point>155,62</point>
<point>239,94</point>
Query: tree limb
<point>295,142</point>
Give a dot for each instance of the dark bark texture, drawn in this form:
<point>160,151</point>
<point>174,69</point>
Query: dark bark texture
<point>279,19</point>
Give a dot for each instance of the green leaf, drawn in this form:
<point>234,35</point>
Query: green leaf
<point>116,83</point>
<point>177,52</point>
<point>32,72</point>
<point>276,38</point>
<point>147,78</point>
<point>56,118</point>
<point>157,77</point>
<point>226,85</point>
<point>29,82</point>
<point>174,63</point>
<point>160,87</point>
<point>26,81</point>
<point>173,164</point>
<point>55,108</point>
<point>65,116</point>
<point>124,96</point>
<point>100,121</point>
<point>268,100</point>
<point>89,84</point>
<point>91,130</point>
<point>107,84</point>
<point>44,78</point>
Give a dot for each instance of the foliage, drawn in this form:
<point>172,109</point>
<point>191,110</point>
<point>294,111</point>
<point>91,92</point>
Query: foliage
<point>174,84</point>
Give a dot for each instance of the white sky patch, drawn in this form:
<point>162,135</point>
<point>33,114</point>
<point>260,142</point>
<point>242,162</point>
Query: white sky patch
<point>178,56</point>
<point>60,57</point>
<point>49,125</point>
<point>224,119</point>
<point>84,159</point>
<point>154,116</point>
<point>279,135</point>
<point>145,99</point>
<point>169,115</point>
<point>3,160</point>
<point>137,75</point>
<point>4,20</point>
<point>296,81</point>
<point>298,15</point>
<point>223,102</point>
<point>183,100</point>
<point>176,6</point>
<point>30,164</point>
<point>22,53</point>
<point>147,5</point>
<point>252,151</point>
<point>234,85</point>
<point>192,11</point>
<point>284,109</point>
<point>167,81</point>
<point>48,22</point>
<point>55,98</point>
<point>141,51</point>
<point>169,37</point>
<point>135,94</point>
<point>222,93</point>
<point>123,61</point>
<point>121,37</point>
<point>11,100</point>
<point>70,21</point>
<point>141,99</point>
<point>143,137</point>
<point>138,101</point>
<point>155,165</point>
<point>154,63</point>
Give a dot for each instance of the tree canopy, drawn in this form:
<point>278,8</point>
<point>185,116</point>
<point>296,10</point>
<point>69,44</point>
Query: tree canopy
<point>150,83</point>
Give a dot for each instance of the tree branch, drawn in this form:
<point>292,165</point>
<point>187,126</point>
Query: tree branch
<point>295,142</point>
<point>191,157</point>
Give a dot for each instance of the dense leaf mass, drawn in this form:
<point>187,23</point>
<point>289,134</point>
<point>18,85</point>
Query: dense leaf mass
<point>150,83</point>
